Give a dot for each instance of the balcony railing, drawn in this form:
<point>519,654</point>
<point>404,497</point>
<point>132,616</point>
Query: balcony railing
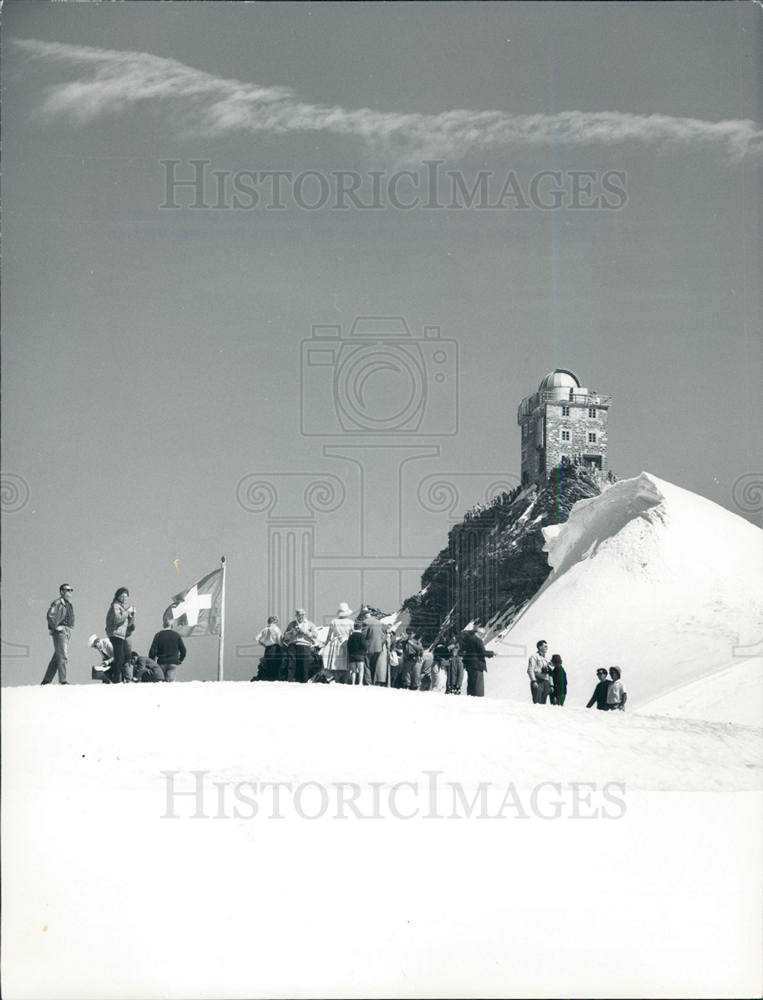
<point>571,398</point>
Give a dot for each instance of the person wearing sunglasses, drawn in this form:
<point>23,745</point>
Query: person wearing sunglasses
<point>60,624</point>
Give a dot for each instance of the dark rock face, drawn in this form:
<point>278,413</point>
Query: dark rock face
<point>494,561</point>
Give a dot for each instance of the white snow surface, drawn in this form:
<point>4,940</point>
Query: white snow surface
<point>106,896</point>
<point>654,579</point>
<point>109,892</point>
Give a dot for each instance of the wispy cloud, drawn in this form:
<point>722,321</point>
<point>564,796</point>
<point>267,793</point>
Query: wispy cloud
<point>109,82</point>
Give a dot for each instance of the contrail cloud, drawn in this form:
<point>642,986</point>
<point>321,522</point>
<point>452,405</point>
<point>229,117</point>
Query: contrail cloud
<point>108,82</point>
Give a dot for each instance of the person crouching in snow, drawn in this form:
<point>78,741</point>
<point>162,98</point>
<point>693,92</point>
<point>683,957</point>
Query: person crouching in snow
<point>559,677</point>
<point>145,670</point>
<point>104,647</point>
<point>616,696</point>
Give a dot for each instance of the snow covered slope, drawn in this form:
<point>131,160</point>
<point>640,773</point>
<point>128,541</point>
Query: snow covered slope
<point>654,579</point>
<point>110,893</point>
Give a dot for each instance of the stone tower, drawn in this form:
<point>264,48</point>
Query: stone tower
<point>562,422</point>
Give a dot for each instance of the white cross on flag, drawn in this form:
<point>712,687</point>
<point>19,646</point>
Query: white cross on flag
<point>196,611</point>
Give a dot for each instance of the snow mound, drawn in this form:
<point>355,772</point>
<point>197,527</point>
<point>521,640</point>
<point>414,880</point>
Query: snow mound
<point>652,578</point>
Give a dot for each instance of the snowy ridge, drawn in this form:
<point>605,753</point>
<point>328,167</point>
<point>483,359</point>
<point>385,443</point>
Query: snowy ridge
<point>652,578</point>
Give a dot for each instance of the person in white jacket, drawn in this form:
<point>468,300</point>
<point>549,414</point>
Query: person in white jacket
<point>616,696</point>
<point>539,672</point>
<point>270,665</point>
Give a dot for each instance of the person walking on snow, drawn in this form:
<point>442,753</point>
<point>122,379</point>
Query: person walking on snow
<point>60,619</point>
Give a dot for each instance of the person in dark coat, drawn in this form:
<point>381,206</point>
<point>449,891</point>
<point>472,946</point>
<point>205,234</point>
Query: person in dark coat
<point>168,650</point>
<point>356,656</point>
<point>473,654</point>
<point>373,634</point>
<point>599,696</point>
<point>412,653</point>
<point>559,677</point>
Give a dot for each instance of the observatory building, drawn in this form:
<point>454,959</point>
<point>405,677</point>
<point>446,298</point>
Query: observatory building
<point>562,422</point>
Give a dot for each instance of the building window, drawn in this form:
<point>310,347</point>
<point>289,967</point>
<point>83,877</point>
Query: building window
<point>591,411</point>
<point>565,435</point>
<point>565,411</point>
<point>592,437</point>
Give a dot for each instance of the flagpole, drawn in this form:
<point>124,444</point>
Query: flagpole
<point>222,624</point>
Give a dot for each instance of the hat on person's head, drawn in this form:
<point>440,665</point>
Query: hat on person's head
<point>344,610</point>
<point>300,611</point>
<point>93,638</point>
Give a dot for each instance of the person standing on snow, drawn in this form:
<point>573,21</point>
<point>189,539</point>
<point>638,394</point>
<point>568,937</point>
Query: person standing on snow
<point>120,625</point>
<point>559,677</point>
<point>357,659</point>
<point>270,664</point>
<point>334,653</point>
<point>474,654</point>
<point>539,672</point>
<point>375,639</point>
<point>412,653</point>
<point>168,650</point>
<point>599,696</point>
<point>616,696</point>
<point>299,638</point>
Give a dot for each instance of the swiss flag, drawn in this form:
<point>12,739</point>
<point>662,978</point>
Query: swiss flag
<point>197,611</point>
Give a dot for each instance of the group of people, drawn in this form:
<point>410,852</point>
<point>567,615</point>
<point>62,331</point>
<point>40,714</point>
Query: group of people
<point>357,650</point>
<point>548,682</point>
<point>363,650</point>
<point>119,662</point>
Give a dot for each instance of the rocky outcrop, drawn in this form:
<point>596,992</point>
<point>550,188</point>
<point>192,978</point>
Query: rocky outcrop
<point>494,561</point>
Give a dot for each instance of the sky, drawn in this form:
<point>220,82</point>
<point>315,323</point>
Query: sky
<point>163,402</point>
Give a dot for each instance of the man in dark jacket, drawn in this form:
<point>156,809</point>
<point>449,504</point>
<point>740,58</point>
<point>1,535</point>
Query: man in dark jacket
<point>474,653</point>
<point>168,649</point>
<point>599,696</point>
<point>356,656</point>
<point>373,635</point>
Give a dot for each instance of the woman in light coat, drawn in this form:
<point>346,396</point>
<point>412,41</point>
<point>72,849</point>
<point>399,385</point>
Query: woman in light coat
<point>334,653</point>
